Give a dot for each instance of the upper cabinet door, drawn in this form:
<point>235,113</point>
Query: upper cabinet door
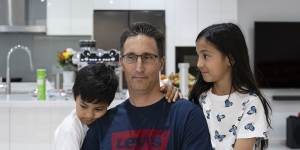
<point>229,11</point>
<point>216,11</point>
<point>185,22</point>
<point>147,4</point>
<point>69,17</point>
<point>111,4</point>
<point>58,17</point>
<point>209,13</point>
<point>82,17</point>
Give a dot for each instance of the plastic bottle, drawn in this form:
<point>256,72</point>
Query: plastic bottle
<point>41,84</point>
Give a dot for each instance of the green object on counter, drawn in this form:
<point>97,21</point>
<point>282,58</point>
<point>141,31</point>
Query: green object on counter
<point>41,84</point>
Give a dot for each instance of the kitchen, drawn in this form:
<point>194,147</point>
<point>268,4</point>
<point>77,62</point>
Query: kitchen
<point>65,22</point>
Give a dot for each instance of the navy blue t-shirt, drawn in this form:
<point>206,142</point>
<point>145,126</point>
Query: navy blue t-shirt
<point>160,126</point>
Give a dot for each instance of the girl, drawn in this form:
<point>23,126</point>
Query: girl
<point>236,112</point>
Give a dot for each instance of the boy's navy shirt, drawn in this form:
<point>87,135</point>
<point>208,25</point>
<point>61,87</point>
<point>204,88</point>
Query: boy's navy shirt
<point>162,125</point>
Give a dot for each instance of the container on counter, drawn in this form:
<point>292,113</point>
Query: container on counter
<point>41,84</point>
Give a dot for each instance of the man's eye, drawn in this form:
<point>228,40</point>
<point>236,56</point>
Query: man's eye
<point>147,57</point>
<point>131,56</point>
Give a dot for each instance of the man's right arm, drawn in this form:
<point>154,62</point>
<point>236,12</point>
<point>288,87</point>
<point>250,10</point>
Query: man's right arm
<point>196,133</point>
<point>91,140</point>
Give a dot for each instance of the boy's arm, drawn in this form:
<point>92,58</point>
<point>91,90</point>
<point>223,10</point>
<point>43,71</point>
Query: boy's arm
<point>91,140</point>
<point>66,141</point>
<point>196,133</point>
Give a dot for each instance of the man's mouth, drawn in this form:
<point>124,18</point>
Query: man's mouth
<point>139,77</point>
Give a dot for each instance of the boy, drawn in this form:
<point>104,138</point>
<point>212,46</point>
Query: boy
<point>94,90</point>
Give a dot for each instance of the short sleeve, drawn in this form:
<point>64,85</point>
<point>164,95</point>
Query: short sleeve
<point>253,122</point>
<point>66,140</point>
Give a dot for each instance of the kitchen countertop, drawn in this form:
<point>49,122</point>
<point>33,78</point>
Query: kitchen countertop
<point>279,144</point>
<point>23,97</point>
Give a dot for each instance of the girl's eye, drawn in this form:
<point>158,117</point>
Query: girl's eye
<point>205,56</point>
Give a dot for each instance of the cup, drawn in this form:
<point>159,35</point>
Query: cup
<point>58,82</point>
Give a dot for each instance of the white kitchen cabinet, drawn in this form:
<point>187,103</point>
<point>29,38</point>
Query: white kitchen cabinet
<point>82,17</point>
<point>111,4</point>
<point>185,22</point>
<point>58,17</point>
<point>69,17</point>
<point>229,11</point>
<point>193,16</point>
<point>57,114</point>
<point>216,11</point>
<point>209,13</point>
<point>129,4</point>
<point>4,127</point>
<point>29,127</point>
<point>147,4</point>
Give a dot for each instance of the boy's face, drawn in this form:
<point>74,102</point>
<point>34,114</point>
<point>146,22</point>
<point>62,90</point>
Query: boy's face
<point>89,112</point>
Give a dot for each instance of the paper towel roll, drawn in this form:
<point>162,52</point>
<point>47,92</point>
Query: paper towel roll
<point>183,77</point>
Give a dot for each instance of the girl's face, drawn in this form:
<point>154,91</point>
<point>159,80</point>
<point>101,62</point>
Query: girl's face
<point>213,65</point>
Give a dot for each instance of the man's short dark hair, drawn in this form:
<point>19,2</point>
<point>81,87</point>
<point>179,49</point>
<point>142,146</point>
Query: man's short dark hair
<point>96,83</point>
<point>142,28</point>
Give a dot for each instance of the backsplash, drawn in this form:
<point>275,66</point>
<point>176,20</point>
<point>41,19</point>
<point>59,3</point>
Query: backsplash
<point>43,49</point>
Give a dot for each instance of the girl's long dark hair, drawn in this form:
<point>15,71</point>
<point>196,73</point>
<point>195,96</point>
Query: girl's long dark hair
<point>230,41</point>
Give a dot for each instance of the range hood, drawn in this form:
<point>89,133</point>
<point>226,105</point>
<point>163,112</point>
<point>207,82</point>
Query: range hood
<point>15,16</point>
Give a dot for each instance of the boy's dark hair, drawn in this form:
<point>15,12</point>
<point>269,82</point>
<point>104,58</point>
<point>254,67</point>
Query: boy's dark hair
<point>96,83</point>
<point>142,28</point>
<point>229,40</point>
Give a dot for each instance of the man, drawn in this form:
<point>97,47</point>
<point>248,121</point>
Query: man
<point>146,121</point>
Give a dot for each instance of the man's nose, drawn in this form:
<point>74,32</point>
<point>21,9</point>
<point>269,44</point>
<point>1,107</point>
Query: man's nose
<point>139,65</point>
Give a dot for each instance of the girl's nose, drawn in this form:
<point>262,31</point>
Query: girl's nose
<point>200,63</point>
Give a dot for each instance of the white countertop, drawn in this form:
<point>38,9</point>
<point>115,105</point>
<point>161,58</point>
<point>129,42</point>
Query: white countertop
<point>23,95</point>
<point>279,144</point>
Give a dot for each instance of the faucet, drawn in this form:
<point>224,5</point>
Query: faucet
<point>17,47</point>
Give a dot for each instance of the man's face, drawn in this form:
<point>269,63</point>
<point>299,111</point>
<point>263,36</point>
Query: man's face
<point>89,112</point>
<point>142,75</point>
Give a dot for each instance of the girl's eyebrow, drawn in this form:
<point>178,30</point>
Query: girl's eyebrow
<point>204,50</point>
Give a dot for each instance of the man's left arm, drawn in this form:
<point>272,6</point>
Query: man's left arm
<point>196,133</point>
